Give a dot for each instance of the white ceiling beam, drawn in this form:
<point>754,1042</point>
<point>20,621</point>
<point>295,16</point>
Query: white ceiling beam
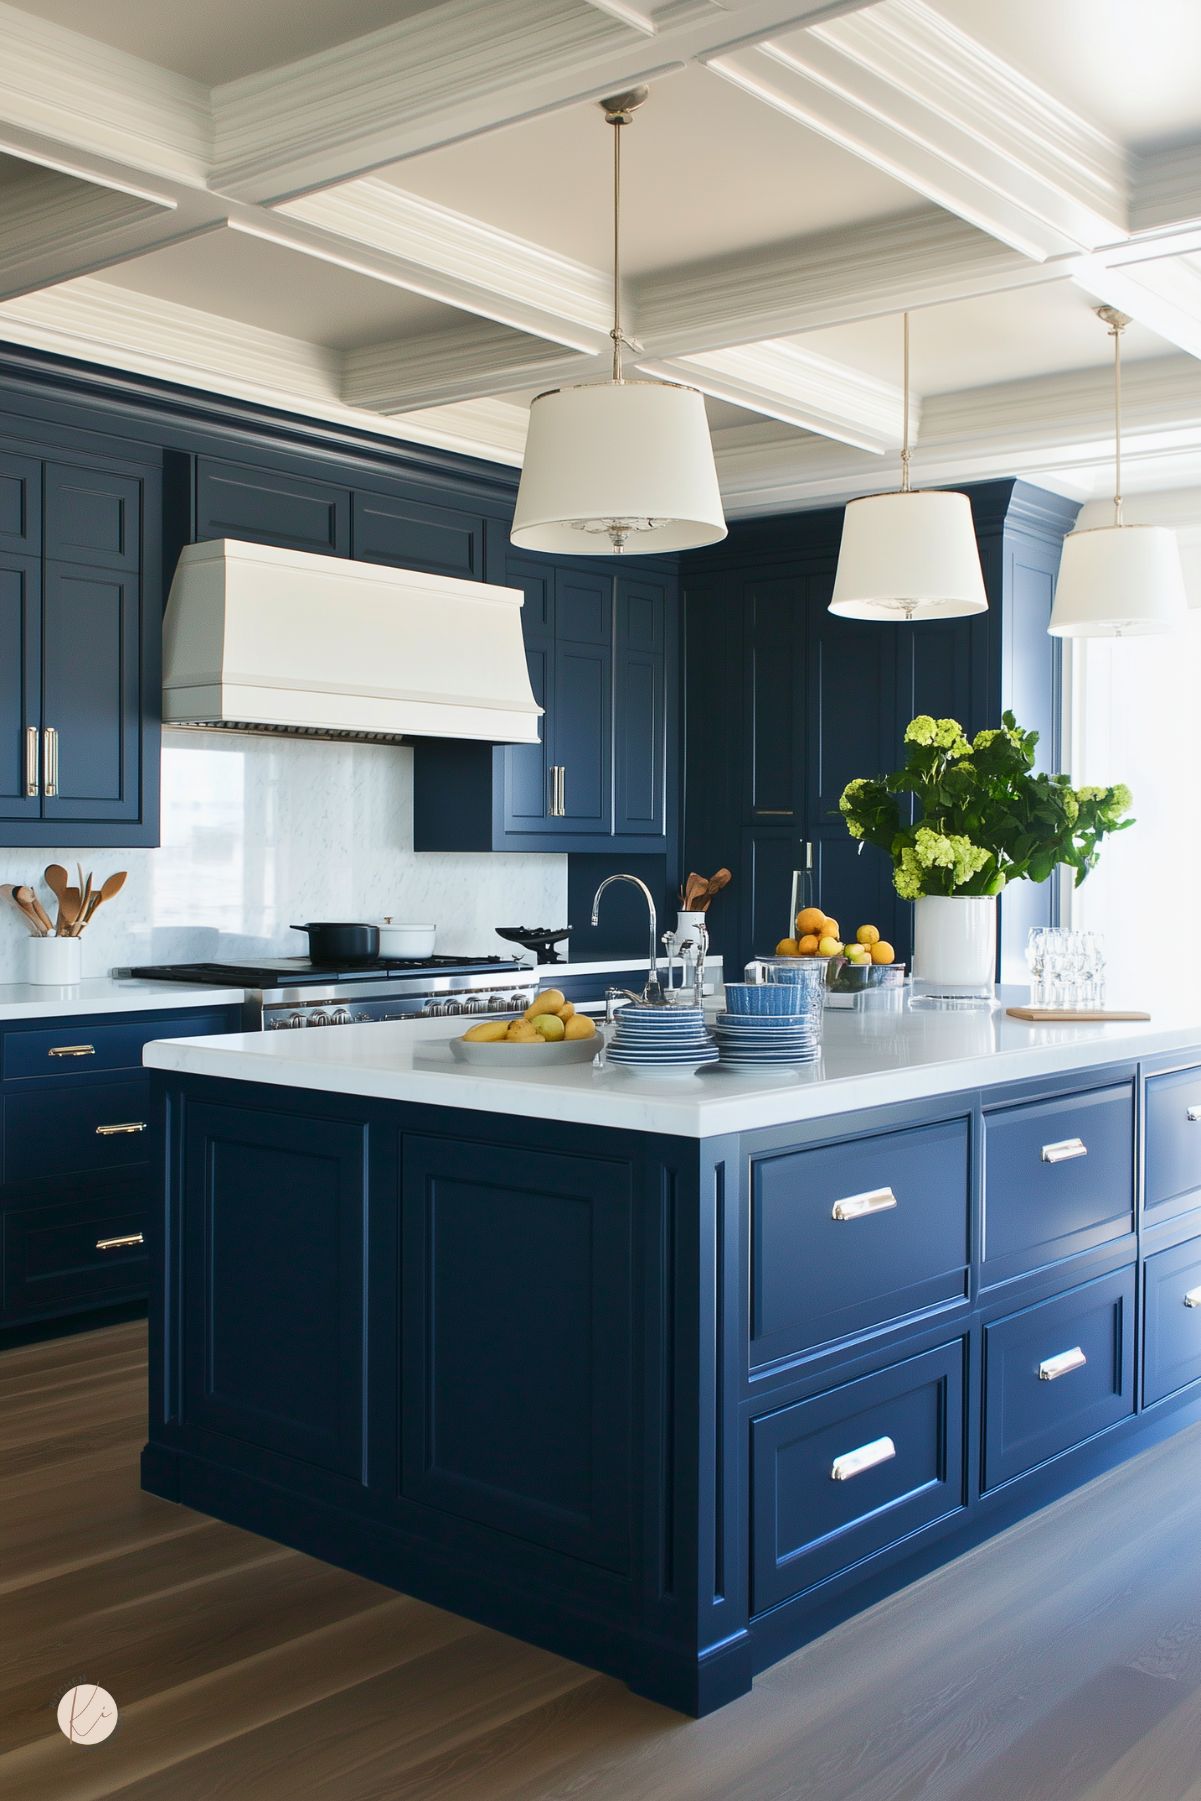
<point>457,363</point>
<point>1166,188</point>
<point>1162,292</point>
<point>787,382</point>
<point>1030,427</point>
<point>78,92</point>
<point>377,228</point>
<point>453,72</point>
<point>922,258</point>
<point>53,229</point>
<point>901,87</point>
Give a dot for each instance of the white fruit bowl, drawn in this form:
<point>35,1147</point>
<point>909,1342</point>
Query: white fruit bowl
<point>527,1056</point>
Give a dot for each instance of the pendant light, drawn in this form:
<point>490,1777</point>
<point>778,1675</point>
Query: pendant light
<point>617,464</point>
<point>908,555</point>
<point>1119,580</point>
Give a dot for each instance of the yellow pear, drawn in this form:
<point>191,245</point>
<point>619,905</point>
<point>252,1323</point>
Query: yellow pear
<point>580,1025</point>
<point>489,1031</point>
<point>549,1001</point>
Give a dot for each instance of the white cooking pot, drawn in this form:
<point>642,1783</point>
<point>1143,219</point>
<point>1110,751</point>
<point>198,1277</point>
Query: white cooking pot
<point>400,940</point>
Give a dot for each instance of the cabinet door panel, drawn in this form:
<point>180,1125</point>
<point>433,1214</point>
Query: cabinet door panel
<point>91,692</point>
<point>93,518</point>
<point>412,534</point>
<point>20,682</point>
<point>292,1253</point>
<point>582,692</point>
<point>774,701</point>
<point>526,767</point>
<point>263,507</point>
<point>639,683</point>
<point>63,1251</point>
<point>517,1405</point>
<point>20,505</point>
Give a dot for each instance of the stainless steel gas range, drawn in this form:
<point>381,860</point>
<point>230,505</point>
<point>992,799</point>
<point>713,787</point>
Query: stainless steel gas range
<point>283,993</point>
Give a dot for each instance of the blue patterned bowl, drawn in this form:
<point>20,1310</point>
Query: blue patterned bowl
<point>760,997</point>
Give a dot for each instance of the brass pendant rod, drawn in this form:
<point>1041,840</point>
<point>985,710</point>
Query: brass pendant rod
<point>905,420</point>
<point>1117,323</point>
<point>618,373</point>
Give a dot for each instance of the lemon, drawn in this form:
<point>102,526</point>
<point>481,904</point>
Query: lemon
<point>829,947</point>
<point>882,952</point>
<point>809,919</point>
<point>868,935</point>
<point>807,946</point>
<point>828,929</point>
<point>787,947</point>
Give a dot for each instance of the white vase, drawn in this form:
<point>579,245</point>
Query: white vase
<point>955,948</point>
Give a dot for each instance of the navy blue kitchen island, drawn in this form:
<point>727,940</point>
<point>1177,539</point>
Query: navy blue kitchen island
<point>669,1376</point>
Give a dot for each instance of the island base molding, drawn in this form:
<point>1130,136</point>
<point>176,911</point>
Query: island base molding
<point>670,1407</point>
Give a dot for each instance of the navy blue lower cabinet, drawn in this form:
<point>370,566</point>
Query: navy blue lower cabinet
<point>1173,1151</point>
<point>80,1138</point>
<point>1171,1320</point>
<point>274,1296</point>
<point>1056,1373</point>
<point>529,1255</point>
<point>839,1477</point>
<point>850,1236</point>
<point>1059,1178</point>
<point>669,1407</point>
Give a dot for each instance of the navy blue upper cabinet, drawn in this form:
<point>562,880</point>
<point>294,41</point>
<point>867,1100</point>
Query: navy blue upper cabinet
<point>265,506</point>
<point>413,534</point>
<point>597,653</point>
<point>80,643</point>
<point>794,702</point>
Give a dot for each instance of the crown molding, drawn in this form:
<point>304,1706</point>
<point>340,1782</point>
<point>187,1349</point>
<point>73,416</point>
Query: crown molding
<point>1046,427</point>
<point>80,92</point>
<point>915,259</point>
<point>792,384</point>
<point>453,72</point>
<point>1161,292</point>
<point>903,88</point>
<point>490,428</point>
<point>442,367</point>
<point>463,261</point>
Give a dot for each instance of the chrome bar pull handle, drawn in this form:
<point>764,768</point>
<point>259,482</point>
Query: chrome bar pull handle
<point>72,1050</point>
<point>854,1463</point>
<point>861,1206</point>
<point>1193,1298</point>
<point>31,760</point>
<point>50,760</point>
<point>1052,1368</point>
<point>120,1244</point>
<point>1064,1150</point>
<point>557,807</point>
<point>1194,1113</point>
<point>123,1129</point>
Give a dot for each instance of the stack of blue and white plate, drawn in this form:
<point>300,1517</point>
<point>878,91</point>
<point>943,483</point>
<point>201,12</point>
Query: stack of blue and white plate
<point>749,1040</point>
<point>660,1039</point>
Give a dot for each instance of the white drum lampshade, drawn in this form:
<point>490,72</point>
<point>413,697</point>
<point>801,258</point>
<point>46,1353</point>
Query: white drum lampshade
<point>614,466</point>
<point>908,555</point>
<point>1119,581</point>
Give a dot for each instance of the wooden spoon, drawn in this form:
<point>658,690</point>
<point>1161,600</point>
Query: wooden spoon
<point>57,880</point>
<point>8,892</point>
<point>716,884</point>
<point>112,884</point>
<point>71,907</point>
<point>30,905</point>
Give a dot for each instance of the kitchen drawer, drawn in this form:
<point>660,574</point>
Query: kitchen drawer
<point>1173,1141</point>
<point>1031,1412</point>
<point>837,1478</point>
<point>51,1132</point>
<point>80,1047</point>
<point>88,1249</point>
<point>1058,1178</point>
<point>847,1237</point>
<point>1171,1320</point>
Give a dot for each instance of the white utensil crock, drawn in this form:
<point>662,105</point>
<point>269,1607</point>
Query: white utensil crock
<point>53,962</point>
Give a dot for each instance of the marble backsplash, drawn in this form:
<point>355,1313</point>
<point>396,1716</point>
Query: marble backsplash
<point>260,832</point>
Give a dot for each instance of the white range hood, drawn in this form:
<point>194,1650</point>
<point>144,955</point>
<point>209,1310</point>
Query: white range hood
<point>257,638</point>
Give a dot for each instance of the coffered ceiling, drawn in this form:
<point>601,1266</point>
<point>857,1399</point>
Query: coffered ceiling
<point>396,213</point>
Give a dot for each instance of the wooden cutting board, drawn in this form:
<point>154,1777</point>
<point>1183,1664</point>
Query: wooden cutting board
<point>1047,1015</point>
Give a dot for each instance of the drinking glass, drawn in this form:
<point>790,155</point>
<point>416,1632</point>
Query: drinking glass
<point>1036,957</point>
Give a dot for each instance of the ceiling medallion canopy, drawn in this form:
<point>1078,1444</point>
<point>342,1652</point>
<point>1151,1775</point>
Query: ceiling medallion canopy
<point>618,464</point>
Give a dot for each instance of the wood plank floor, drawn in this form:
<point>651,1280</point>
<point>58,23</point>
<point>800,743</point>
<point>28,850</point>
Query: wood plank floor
<point>1062,1662</point>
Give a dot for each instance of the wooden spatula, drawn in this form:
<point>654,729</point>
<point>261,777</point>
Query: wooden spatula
<point>57,880</point>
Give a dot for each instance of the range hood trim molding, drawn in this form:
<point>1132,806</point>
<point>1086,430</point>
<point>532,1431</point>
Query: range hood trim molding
<point>290,640</point>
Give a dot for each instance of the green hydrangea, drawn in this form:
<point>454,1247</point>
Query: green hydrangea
<point>1071,806</point>
<point>921,730</point>
<point>1084,795</point>
<point>983,739</point>
<point>949,736</point>
<point>949,850</point>
<point>847,798</point>
<point>1122,799</point>
<point>908,877</point>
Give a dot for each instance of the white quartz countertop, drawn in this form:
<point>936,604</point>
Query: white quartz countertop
<point>103,994</point>
<point>868,1060</point>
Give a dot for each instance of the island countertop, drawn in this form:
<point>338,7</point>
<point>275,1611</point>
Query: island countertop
<point>868,1060</point>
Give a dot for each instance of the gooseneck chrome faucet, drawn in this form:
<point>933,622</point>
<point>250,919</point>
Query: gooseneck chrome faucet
<point>653,990</point>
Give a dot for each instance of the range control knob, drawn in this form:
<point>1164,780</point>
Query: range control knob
<point>295,1019</point>
<point>340,1018</point>
<point>318,1019</point>
<point>475,1003</point>
<point>454,1006</point>
<point>518,1002</point>
<point>434,1009</point>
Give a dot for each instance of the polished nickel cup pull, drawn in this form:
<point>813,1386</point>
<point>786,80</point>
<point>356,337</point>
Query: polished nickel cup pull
<point>853,1463</point>
<point>120,1244</point>
<point>124,1126</point>
<point>73,1050</point>
<point>1064,1150</point>
<point>859,1206</point>
<point>1051,1368</point>
<point>1193,1298</point>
